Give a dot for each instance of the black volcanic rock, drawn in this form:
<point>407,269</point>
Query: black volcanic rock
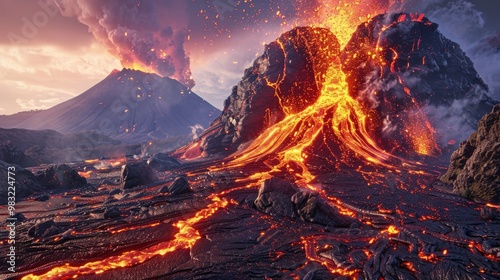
<point>162,162</point>
<point>475,167</point>
<point>128,105</point>
<point>399,63</point>
<point>60,176</point>
<point>312,208</point>
<point>112,213</point>
<point>136,174</point>
<point>287,78</point>
<point>275,197</point>
<point>12,154</point>
<point>283,198</point>
<point>180,185</point>
<point>44,229</point>
<point>25,182</point>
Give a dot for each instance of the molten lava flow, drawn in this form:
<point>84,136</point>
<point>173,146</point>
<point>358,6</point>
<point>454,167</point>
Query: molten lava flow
<point>288,140</point>
<point>184,239</point>
<point>85,174</point>
<point>310,250</point>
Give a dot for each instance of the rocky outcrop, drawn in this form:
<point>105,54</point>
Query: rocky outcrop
<point>25,182</point>
<point>408,73</point>
<point>136,174</point>
<point>162,162</point>
<point>283,198</point>
<point>60,177</point>
<point>12,154</point>
<point>44,229</point>
<point>474,169</point>
<point>180,185</point>
<point>287,78</point>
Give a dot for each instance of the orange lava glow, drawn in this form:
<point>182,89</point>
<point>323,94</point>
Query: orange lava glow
<point>392,230</point>
<point>493,205</point>
<point>136,65</point>
<point>310,250</point>
<point>85,174</point>
<point>184,239</point>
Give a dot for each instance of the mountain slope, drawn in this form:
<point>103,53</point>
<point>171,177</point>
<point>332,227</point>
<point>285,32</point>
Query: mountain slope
<point>128,105</point>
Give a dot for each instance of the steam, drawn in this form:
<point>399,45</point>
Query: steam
<point>196,130</point>
<point>144,35</point>
<point>452,125</point>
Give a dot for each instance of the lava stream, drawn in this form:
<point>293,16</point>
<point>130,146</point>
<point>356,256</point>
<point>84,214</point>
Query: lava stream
<point>184,239</point>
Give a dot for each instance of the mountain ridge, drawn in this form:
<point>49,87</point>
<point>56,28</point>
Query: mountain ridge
<point>128,105</point>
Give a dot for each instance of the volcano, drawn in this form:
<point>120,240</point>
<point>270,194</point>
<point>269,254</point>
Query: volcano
<point>298,177</point>
<point>128,105</point>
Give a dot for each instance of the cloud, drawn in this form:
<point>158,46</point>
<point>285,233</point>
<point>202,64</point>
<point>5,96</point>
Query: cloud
<point>54,100</point>
<point>28,105</point>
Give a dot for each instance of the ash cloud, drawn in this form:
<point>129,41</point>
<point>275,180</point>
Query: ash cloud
<point>146,35</point>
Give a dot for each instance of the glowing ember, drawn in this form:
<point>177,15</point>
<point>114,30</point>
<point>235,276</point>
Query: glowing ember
<point>391,230</point>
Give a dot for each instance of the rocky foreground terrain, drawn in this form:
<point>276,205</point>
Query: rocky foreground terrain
<point>194,223</point>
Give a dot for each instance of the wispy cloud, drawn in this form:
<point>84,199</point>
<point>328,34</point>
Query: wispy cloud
<point>27,105</point>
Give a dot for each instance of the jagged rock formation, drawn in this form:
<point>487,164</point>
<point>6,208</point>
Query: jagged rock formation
<point>12,154</point>
<point>136,174</point>
<point>285,79</point>
<point>25,182</point>
<point>60,176</point>
<point>179,186</point>
<point>400,66</point>
<point>280,197</point>
<point>162,162</point>
<point>475,167</point>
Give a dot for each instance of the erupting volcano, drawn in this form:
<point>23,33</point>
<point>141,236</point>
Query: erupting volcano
<point>323,164</point>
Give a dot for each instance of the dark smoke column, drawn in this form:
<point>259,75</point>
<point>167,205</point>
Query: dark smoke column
<point>144,35</point>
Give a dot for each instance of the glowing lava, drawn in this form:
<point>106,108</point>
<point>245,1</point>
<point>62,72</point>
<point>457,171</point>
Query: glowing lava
<point>184,239</point>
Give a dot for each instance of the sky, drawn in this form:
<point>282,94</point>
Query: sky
<point>53,50</point>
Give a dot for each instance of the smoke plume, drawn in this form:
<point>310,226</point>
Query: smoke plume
<point>144,35</point>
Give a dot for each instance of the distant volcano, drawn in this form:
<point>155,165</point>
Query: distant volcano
<point>128,105</point>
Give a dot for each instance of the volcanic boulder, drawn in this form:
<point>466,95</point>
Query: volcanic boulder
<point>286,79</point>
<point>275,197</point>
<point>136,174</point>
<point>408,73</point>
<point>162,162</point>
<point>180,185</point>
<point>283,198</point>
<point>60,177</point>
<point>44,229</point>
<point>25,182</point>
<point>474,169</point>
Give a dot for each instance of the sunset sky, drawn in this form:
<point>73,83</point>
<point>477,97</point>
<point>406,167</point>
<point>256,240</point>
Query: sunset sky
<point>49,54</point>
